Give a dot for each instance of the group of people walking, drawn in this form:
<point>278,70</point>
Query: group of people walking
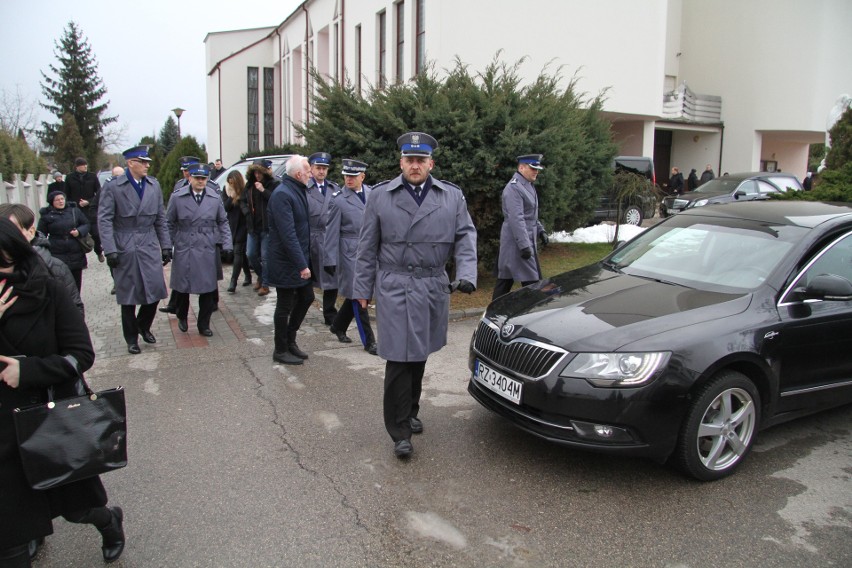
<point>677,185</point>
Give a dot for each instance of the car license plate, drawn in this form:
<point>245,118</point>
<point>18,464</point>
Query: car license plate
<point>510,389</point>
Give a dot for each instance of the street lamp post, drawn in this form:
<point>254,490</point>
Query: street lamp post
<point>178,112</point>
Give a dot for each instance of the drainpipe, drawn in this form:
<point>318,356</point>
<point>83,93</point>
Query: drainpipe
<point>280,87</point>
<point>219,104</point>
<point>721,146</point>
<point>342,42</point>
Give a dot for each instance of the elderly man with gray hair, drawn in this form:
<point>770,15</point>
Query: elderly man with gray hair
<point>289,259</point>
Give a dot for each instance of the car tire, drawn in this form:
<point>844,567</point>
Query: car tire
<point>632,216</point>
<point>720,427</point>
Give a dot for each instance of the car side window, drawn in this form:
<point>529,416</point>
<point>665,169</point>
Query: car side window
<point>785,182</point>
<point>749,187</point>
<point>766,187</point>
<point>835,259</point>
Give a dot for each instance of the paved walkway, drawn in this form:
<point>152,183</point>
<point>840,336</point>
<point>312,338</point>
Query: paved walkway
<point>243,316</point>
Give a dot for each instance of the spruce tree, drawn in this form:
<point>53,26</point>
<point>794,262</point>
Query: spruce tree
<point>74,87</point>
<point>169,136</point>
<point>69,144</point>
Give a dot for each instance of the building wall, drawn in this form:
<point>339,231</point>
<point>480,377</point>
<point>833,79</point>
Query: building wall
<point>779,65</point>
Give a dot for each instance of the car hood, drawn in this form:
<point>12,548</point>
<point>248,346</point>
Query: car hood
<point>596,309</point>
<point>694,196</point>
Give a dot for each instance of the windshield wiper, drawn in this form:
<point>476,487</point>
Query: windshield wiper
<point>612,266</point>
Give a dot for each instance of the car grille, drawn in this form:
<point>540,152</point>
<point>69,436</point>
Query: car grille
<point>674,203</point>
<point>525,357</point>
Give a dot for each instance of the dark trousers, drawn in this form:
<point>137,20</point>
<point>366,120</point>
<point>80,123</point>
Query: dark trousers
<point>240,263</point>
<point>15,557</point>
<point>99,250</point>
<point>291,306</point>
<point>344,317</point>
<point>206,303</point>
<point>77,273</point>
<point>329,311</point>
<point>504,286</point>
<point>132,322</point>
<point>403,384</point>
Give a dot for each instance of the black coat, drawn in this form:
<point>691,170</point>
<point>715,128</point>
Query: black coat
<point>289,235</point>
<point>237,210</point>
<point>57,225</point>
<point>83,186</point>
<point>44,325</point>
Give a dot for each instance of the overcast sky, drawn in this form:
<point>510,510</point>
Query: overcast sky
<point>150,54</point>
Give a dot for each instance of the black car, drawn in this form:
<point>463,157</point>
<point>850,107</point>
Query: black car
<point>685,341</point>
<point>636,208</point>
<point>749,186</point>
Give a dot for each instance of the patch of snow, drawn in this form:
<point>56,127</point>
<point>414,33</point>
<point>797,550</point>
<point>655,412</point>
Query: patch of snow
<point>602,233</point>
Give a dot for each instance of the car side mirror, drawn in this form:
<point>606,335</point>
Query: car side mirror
<point>829,287</point>
<point>739,193</point>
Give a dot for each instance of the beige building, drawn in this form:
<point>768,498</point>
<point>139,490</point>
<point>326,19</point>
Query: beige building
<point>739,84</point>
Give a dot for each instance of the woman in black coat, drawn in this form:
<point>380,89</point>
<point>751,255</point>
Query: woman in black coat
<point>42,339</point>
<point>62,222</point>
<point>237,209</point>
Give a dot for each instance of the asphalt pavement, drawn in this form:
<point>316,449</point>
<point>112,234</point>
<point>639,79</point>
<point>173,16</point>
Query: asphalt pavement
<point>235,460</point>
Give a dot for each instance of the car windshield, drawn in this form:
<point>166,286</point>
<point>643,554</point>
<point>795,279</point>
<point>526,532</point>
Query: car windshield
<point>718,185</point>
<point>243,166</point>
<point>723,255</point>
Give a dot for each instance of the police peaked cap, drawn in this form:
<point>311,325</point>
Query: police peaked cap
<point>416,144</point>
<point>353,167</point>
<point>532,160</point>
<point>320,158</point>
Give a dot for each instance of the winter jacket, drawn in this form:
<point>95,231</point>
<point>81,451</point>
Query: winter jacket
<point>56,224</point>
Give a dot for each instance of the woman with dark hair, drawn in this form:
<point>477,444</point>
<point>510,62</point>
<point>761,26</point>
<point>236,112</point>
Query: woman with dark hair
<point>43,342</point>
<point>237,210</point>
<point>62,222</point>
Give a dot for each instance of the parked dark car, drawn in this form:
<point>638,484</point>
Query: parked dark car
<point>749,186</point>
<point>684,342</point>
<point>636,209</point>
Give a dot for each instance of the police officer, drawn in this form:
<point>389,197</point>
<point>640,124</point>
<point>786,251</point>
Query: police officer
<point>185,163</point>
<point>345,215</point>
<point>320,189</point>
<point>517,260</point>
<point>132,224</point>
<point>412,225</point>
<point>199,229</point>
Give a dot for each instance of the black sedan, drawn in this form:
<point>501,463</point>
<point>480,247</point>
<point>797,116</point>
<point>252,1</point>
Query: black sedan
<point>749,186</point>
<point>685,341</point>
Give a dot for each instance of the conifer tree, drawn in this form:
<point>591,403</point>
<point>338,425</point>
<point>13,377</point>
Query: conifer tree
<point>168,136</point>
<point>69,144</point>
<point>74,87</point>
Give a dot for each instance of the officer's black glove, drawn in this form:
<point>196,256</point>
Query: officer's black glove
<point>330,270</point>
<point>112,259</point>
<point>167,256</point>
<point>466,287</point>
<point>526,253</point>
<point>545,240</point>
<point>227,256</point>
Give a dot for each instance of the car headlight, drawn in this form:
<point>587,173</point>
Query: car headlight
<point>700,202</point>
<point>616,369</point>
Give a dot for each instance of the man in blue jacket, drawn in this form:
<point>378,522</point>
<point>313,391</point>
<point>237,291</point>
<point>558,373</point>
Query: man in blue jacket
<point>289,260</point>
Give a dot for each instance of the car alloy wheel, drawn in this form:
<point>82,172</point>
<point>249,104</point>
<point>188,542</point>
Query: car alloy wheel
<point>633,216</point>
<point>720,427</point>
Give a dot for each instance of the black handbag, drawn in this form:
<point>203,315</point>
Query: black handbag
<point>87,243</point>
<point>69,439</point>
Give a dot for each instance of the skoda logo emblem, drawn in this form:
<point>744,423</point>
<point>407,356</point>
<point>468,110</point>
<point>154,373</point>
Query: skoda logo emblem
<point>507,330</point>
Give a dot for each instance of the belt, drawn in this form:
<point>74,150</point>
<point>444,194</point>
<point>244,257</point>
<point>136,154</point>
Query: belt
<point>415,271</point>
<point>133,229</point>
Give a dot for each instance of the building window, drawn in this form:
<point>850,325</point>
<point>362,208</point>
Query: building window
<point>268,107</point>
<point>358,57</point>
<point>383,51</point>
<point>400,42</point>
<point>420,40</point>
<point>336,52</point>
<point>253,118</point>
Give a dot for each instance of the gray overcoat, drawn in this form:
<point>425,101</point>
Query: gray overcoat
<point>345,215</point>
<point>318,205</point>
<point>402,254</point>
<point>136,230</point>
<point>519,231</point>
<point>196,230</point>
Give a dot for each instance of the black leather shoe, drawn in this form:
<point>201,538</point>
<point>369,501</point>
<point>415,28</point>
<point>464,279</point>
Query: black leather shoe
<point>33,546</point>
<point>133,348</point>
<point>294,349</point>
<point>168,309</point>
<point>341,336</point>
<point>148,337</point>
<point>402,449</point>
<point>113,536</point>
<point>232,289</point>
<point>286,358</point>
<point>206,332</point>
<point>372,349</point>
<point>416,425</point>
<point>182,325</point>
<point>247,283</point>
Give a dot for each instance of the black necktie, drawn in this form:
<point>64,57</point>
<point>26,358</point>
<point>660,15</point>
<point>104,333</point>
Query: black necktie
<point>198,197</point>
<point>322,189</point>
<point>360,195</point>
<point>417,191</point>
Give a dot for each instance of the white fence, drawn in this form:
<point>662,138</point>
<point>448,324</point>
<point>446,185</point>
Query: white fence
<point>31,191</point>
